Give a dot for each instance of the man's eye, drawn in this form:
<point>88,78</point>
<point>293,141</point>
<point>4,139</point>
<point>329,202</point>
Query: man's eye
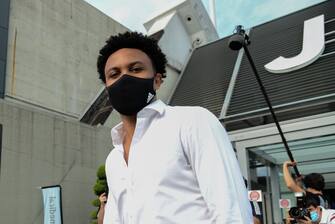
<point>136,69</point>
<point>113,74</point>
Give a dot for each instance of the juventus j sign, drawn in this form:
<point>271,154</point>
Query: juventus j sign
<point>312,48</point>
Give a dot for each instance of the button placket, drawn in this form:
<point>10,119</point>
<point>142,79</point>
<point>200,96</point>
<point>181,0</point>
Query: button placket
<point>132,167</point>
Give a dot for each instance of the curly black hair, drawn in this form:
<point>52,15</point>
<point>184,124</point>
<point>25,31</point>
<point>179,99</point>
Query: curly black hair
<point>132,40</point>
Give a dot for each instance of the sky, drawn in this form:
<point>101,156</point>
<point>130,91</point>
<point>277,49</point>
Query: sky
<point>249,13</point>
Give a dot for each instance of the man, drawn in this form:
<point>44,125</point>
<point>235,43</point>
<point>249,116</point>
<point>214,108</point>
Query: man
<point>317,214</point>
<point>169,164</point>
<point>313,183</point>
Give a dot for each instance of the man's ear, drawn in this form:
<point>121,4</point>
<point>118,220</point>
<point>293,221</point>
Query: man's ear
<point>158,81</point>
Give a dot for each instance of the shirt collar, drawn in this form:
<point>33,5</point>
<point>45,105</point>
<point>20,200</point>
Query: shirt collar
<point>323,215</point>
<point>156,106</point>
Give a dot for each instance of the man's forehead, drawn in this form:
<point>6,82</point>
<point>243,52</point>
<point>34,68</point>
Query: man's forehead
<point>127,56</point>
<point>311,207</point>
<point>129,52</point>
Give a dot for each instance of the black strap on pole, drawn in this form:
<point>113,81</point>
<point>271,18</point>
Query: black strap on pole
<point>236,42</point>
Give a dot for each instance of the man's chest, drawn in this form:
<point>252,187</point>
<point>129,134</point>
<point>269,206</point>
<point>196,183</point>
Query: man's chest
<point>155,158</point>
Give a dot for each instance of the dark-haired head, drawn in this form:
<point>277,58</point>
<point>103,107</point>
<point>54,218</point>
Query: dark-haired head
<point>312,200</point>
<point>136,41</point>
<point>315,181</point>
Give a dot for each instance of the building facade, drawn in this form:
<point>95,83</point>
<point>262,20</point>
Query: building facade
<point>294,56</point>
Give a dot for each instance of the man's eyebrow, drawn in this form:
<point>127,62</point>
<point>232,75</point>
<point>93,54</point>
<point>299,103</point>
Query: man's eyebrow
<point>129,65</point>
<point>134,63</point>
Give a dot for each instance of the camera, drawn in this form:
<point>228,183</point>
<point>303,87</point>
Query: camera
<point>300,211</point>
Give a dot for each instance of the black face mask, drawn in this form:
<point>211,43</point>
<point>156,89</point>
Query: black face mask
<point>129,94</point>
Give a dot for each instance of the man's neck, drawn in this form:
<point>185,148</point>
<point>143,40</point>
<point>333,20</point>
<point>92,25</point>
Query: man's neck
<point>320,214</point>
<point>129,124</point>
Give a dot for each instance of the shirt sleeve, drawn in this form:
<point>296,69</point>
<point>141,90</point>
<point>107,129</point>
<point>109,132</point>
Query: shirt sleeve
<point>213,160</point>
<point>111,215</point>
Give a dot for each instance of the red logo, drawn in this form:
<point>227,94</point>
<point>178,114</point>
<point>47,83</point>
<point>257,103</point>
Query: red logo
<point>284,203</point>
<point>254,196</point>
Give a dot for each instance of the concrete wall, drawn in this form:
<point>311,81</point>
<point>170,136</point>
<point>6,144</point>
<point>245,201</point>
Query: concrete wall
<point>176,42</point>
<point>40,149</point>
<point>53,46</point>
<point>4,21</point>
<point>51,78</point>
<point>168,85</point>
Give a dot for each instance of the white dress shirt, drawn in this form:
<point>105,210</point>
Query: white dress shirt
<point>181,170</point>
<point>327,216</point>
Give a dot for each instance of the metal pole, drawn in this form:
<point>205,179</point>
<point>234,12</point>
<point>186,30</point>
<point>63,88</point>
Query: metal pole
<point>270,107</point>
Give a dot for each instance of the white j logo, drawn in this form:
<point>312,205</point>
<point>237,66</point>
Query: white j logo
<point>312,48</point>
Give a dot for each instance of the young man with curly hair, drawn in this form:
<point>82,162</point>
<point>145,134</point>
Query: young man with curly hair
<point>169,164</point>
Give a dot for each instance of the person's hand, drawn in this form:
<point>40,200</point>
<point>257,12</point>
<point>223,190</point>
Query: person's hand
<point>289,219</point>
<point>299,179</point>
<point>289,163</point>
<point>307,220</point>
<point>103,199</point>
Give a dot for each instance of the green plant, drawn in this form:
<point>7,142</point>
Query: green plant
<point>99,187</point>
<point>96,202</point>
<point>94,214</point>
<point>101,173</point>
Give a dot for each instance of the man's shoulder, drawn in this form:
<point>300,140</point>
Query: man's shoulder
<point>192,116</point>
<point>330,214</point>
<point>189,111</point>
<point>331,217</point>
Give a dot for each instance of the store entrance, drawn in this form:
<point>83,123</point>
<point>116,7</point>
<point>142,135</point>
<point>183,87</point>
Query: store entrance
<point>262,176</point>
<point>314,155</point>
